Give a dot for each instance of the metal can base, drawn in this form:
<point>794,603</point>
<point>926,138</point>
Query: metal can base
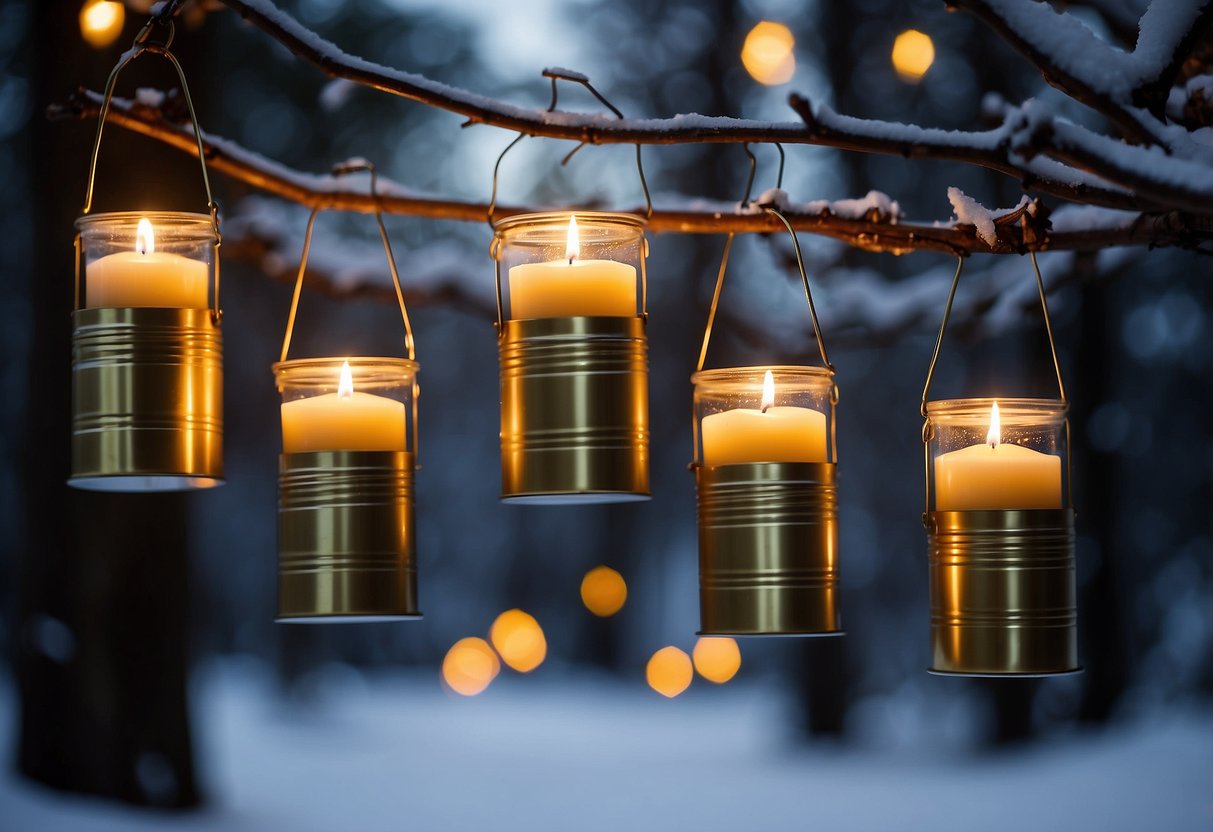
<point>346,537</point>
<point>574,410</point>
<point>1045,675</point>
<point>1002,585</point>
<point>768,549</point>
<point>345,619</point>
<point>143,483</point>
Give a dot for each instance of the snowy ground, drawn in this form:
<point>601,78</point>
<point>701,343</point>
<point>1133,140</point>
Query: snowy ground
<point>592,754</point>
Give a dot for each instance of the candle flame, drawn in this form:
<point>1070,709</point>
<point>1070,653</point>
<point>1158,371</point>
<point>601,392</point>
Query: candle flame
<point>345,387</point>
<point>145,237</point>
<point>993,438</point>
<point>572,249</point>
<point>768,391</point>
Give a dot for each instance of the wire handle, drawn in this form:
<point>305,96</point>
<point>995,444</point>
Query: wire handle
<point>947,313</point>
<point>804,277</point>
<point>343,169</point>
<point>142,44</point>
<point>557,74</point>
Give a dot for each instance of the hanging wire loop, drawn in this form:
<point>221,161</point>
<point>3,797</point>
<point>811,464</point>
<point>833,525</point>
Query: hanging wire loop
<point>344,169</point>
<point>556,75</point>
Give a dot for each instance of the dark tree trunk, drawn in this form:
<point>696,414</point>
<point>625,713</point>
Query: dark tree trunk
<point>101,648</point>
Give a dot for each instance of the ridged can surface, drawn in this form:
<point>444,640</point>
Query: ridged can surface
<point>346,539</point>
<point>768,549</point>
<point>147,397</point>
<point>574,410</point>
<point>1003,592</point>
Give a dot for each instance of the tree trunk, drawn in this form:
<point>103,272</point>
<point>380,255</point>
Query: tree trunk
<point>101,648</point>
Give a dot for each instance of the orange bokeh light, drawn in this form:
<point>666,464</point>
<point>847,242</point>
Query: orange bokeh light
<point>767,53</point>
<point>519,639</point>
<point>101,22</point>
<point>717,659</point>
<point>470,665</point>
<point>669,671</point>
<point>603,591</point>
<point>913,54</point>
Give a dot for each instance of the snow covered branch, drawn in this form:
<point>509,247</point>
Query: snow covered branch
<point>870,224</point>
<point>1110,81</point>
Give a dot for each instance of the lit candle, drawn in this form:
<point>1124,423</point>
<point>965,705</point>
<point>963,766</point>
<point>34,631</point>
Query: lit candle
<point>772,434</point>
<point>343,421</point>
<point>572,287</point>
<point>996,475</point>
<point>146,277</point>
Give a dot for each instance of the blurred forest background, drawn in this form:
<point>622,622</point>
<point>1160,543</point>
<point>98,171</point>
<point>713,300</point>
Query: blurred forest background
<point>109,601</point>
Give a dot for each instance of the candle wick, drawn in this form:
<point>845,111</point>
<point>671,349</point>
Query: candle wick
<point>571,259</point>
<point>764,408</point>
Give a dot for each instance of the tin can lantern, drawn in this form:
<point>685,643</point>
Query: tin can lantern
<point>573,357</point>
<point>765,470</point>
<point>1000,530</point>
<point>147,351</point>
<point>346,530</point>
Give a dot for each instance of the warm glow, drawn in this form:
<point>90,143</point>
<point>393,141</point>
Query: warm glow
<point>767,53</point>
<point>603,591</point>
<point>669,671</point>
<point>519,639</point>
<point>994,436</point>
<point>717,659</point>
<point>345,385</point>
<point>145,237</point>
<point>913,54</point>
<point>101,22</point>
<point>768,391</point>
<point>470,665</point>
<point>572,248</point>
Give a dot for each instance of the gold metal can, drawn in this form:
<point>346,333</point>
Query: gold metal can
<point>147,399</point>
<point>768,549</point>
<point>1003,592</point>
<point>346,536</point>
<point>574,410</point>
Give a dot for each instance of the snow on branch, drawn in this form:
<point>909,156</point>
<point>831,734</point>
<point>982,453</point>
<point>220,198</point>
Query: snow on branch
<point>1113,82</point>
<point>871,229</point>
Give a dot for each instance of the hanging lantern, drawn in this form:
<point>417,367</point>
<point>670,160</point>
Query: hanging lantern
<point>765,467</point>
<point>147,351</point>
<point>1000,530</point>
<point>574,357</point>
<point>346,533</point>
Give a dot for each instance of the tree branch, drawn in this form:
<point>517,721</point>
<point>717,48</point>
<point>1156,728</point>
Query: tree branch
<point>1072,59</point>
<point>987,148</point>
<point>871,232</point>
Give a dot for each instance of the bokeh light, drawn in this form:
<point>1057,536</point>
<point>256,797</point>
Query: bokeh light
<point>717,658</point>
<point>767,53</point>
<point>669,671</point>
<point>913,54</point>
<point>470,665</point>
<point>519,639</point>
<point>603,591</point>
<point>101,22</point>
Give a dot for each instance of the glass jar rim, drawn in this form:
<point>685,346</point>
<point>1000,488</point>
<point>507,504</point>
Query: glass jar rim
<point>777,370</point>
<point>514,222</point>
<point>121,218</point>
<point>981,405</point>
<point>407,366</point>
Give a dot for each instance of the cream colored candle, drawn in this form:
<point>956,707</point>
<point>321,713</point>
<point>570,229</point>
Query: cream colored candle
<point>343,421</point>
<point>146,277</point>
<point>996,475</point>
<point>572,287</point>
<point>772,434</point>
